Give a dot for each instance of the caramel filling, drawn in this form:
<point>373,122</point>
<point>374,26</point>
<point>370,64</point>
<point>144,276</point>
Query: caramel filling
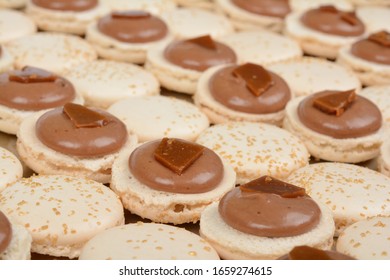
<point>67,5</point>
<point>311,253</point>
<point>272,8</point>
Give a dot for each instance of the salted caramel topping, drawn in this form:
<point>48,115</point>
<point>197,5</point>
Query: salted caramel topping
<point>267,184</point>
<point>130,14</point>
<point>310,253</point>
<point>273,8</point>
<point>204,41</point>
<point>177,155</point>
<point>30,75</point>
<point>257,79</point>
<point>1,50</point>
<point>328,8</point>
<point>81,116</point>
<point>5,232</point>
<point>67,5</point>
<point>335,103</point>
<point>382,38</point>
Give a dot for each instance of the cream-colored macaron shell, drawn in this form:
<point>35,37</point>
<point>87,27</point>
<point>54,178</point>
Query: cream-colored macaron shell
<point>161,206</point>
<point>147,241</point>
<point>321,146</point>
<point>383,160</point>
<point>375,18</point>
<point>61,212</point>
<point>255,149</point>
<point>366,240</point>
<point>218,113</point>
<point>20,245</point>
<point>152,6</point>
<point>13,4</point>
<point>45,160</point>
<point>104,82</point>
<point>10,168</point>
<point>202,4</point>
<point>262,47</point>
<point>192,22</point>
<point>231,243</point>
<point>155,117</point>
<point>15,24</point>
<point>353,193</point>
<point>6,60</point>
<point>309,75</point>
<point>54,52</point>
<point>303,5</point>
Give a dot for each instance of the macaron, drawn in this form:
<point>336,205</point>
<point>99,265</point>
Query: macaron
<point>259,220</point>
<point>231,93</point>
<point>61,212</point>
<point>155,117</point>
<point>13,4</point>
<point>336,125</point>
<point>187,23</point>
<point>369,58</point>
<point>29,91</point>
<point>303,5</point>
<point>128,35</point>
<point>73,140</point>
<point>202,4</point>
<point>367,239</point>
<point>15,24</point>
<point>179,65</point>
<point>255,149</point>
<point>147,241</point>
<point>66,16</point>
<point>262,47</point>
<point>374,17</point>
<point>15,240</point>
<point>94,79</point>
<point>252,15</point>
<point>6,60</point>
<point>153,6</point>
<point>10,168</point>
<point>383,160</point>
<point>54,52</point>
<point>352,192</point>
<point>309,74</point>
<point>322,31</point>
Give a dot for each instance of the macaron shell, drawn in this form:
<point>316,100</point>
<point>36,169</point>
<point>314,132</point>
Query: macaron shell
<point>14,24</point>
<point>152,6</point>
<point>20,246</point>
<point>302,5</point>
<point>375,18</point>
<point>379,96</point>
<point>6,60</point>
<point>366,240</point>
<point>10,168</point>
<point>14,4</point>
<point>147,241</point>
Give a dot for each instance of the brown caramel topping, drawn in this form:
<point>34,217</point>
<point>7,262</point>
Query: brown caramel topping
<point>81,116</point>
<point>1,51</point>
<point>30,75</point>
<point>257,79</point>
<point>310,253</point>
<point>177,155</point>
<point>204,41</point>
<point>5,232</point>
<point>329,9</point>
<point>67,5</point>
<point>272,8</point>
<point>382,38</point>
<point>130,14</point>
<point>267,184</point>
<point>335,103</point>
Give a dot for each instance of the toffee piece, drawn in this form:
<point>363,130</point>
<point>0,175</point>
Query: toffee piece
<point>359,118</point>
<point>79,131</point>
<point>375,48</point>
<point>328,19</point>
<point>202,175</point>
<point>34,89</point>
<point>310,253</point>
<point>67,5</point>
<point>199,53</point>
<point>133,27</point>
<point>272,8</point>
<point>268,207</point>
<point>5,232</point>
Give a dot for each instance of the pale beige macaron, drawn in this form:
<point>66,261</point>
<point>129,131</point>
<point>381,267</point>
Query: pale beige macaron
<point>202,4</point>
<point>15,24</point>
<point>309,75</point>
<point>19,241</point>
<point>302,5</point>
<point>256,149</point>
<point>104,82</point>
<point>164,206</point>
<point>383,160</point>
<point>154,117</point>
<point>51,17</point>
<point>6,60</point>
<point>193,22</point>
<point>61,212</point>
<point>367,239</point>
<point>375,18</point>
<point>54,52</point>
<point>262,47</point>
<point>148,241</point>
<point>13,4</point>
<point>10,168</point>
<point>152,6</point>
<point>353,193</point>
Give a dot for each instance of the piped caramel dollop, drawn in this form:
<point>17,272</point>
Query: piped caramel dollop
<point>272,8</point>
<point>67,5</point>
<point>375,48</point>
<point>310,253</point>
<point>5,232</point>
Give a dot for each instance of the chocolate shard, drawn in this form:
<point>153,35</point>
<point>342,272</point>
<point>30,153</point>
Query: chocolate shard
<point>257,79</point>
<point>268,184</point>
<point>176,154</point>
<point>130,14</point>
<point>204,41</point>
<point>350,18</point>
<point>336,102</point>
<point>30,75</point>
<point>82,117</point>
<point>381,37</point>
